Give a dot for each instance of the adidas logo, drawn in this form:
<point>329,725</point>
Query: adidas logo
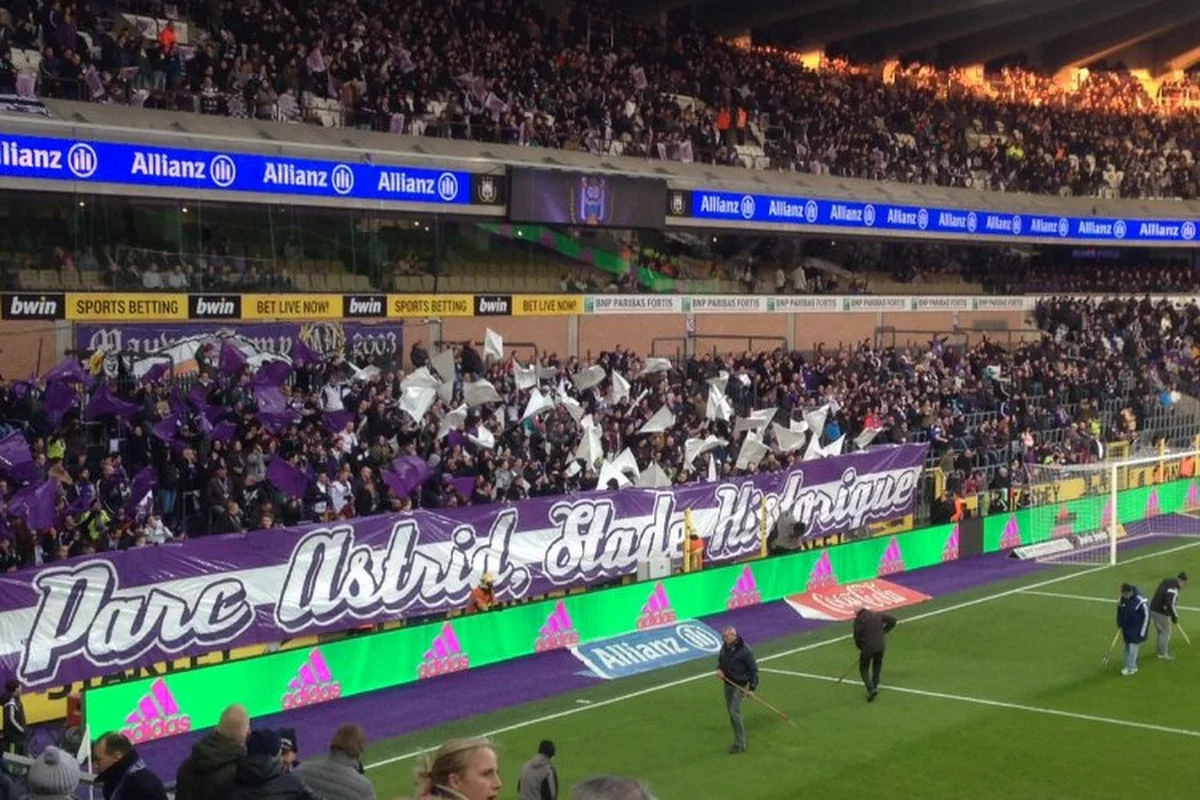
<point>745,591</point>
<point>313,683</point>
<point>822,576</point>
<point>156,717</point>
<point>657,609</point>
<point>950,550</point>
<point>444,656</point>
<point>1192,502</point>
<point>1152,506</point>
<point>892,560</point>
<point>558,632</point>
<point>1011,536</point>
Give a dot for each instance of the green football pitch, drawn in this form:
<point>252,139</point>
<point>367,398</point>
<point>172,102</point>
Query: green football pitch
<point>995,692</point>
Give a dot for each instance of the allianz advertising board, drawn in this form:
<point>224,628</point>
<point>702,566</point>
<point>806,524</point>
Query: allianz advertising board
<point>648,650</point>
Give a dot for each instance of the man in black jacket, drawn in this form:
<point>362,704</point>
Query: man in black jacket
<point>1164,610</point>
<point>738,670</point>
<point>214,759</point>
<point>870,632</point>
<point>122,773</point>
<point>260,775</point>
<point>16,732</point>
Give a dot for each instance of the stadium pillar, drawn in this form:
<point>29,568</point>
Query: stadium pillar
<point>573,336</point>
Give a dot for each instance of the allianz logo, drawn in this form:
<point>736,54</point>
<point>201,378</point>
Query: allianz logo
<point>80,159</point>
<point>282,173</point>
<point>221,169</point>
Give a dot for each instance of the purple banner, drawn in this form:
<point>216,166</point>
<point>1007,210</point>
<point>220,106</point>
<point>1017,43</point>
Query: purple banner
<point>75,620</point>
<point>358,341</point>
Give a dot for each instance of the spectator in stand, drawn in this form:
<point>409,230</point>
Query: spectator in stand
<point>214,759</point>
<point>468,769</point>
<point>339,775</point>
<point>54,775</point>
<point>261,774</point>
<point>122,773</point>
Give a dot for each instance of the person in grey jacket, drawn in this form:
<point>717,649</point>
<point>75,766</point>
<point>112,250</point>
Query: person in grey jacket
<point>339,775</point>
<point>539,778</point>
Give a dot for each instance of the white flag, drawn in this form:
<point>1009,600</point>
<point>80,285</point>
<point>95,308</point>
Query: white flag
<point>445,392</point>
<point>797,426</point>
<point>416,402</point>
<point>421,378</point>
<point>609,472</point>
<point>453,421</point>
<point>587,378</point>
<point>479,392</point>
<point>756,421</point>
<point>814,447</point>
<point>835,447</point>
<point>525,377</point>
<point>653,365</point>
<point>573,469</point>
<point>721,382</point>
<point>443,365</point>
<point>483,438</point>
<point>493,345</point>
<point>590,449</point>
<point>864,439</point>
<point>538,403</point>
<point>573,406</point>
<point>620,388</point>
<point>546,373</point>
<point>661,421</point>
<point>786,440</point>
<point>697,447</point>
<point>751,453</point>
<point>627,464</point>
<point>816,420</point>
<point>718,406</point>
<point>712,468</point>
<point>654,478</point>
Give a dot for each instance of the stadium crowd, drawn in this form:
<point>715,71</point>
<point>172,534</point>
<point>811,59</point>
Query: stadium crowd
<point>322,439</point>
<point>596,81</point>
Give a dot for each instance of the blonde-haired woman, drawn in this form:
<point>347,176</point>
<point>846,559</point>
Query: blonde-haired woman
<point>463,769</point>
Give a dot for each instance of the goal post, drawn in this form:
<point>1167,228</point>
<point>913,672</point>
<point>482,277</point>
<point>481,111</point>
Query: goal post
<point>1096,514</point>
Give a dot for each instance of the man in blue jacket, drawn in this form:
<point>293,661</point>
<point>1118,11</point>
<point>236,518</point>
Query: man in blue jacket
<point>739,672</point>
<point>1133,618</point>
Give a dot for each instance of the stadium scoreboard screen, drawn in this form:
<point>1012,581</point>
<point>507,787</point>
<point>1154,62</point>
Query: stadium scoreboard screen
<point>586,199</point>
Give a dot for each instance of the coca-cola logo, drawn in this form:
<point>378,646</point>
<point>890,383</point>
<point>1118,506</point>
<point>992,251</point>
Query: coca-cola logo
<point>843,602</point>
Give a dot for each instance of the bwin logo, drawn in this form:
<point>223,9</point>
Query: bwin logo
<point>447,186</point>
<point>42,307</point>
<point>222,307</point>
<point>493,305</point>
<point>343,179</point>
<point>810,211</point>
<point>365,305</point>
<point>82,160</point>
<point>747,207</point>
<point>223,171</point>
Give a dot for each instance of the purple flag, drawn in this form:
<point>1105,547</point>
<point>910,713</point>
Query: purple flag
<point>303,355</point>
<point>167,428</point>
<point>464,485</point>
<point>198,397</point>
<point>60,398</point>
<point>156,373</point>
<point>276,421</point>
<point>273,373</point>
<point>335,421</point>
<point>70,371</point>
<point>141,493</point>
<point>407,473</point>
<point>105,402</point>
<point>35,504</point>
<point>223,432</point>
<point>288,479</point>
<point>270,400</point>
<point>15,456</point>
<point>232,360</point>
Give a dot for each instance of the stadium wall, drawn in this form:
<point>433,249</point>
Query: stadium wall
<point>281,681</point>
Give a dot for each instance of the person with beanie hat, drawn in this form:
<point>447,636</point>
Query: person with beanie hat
<point>54,774</point>
<point>260,775</point>
<point>539,778</point>
<point>122,773</point>
<point>289,749</point>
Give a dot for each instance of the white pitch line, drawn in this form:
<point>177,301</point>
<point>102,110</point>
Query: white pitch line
<point>1110,601</point>
<point>979,701</point>
<point>812,646</point>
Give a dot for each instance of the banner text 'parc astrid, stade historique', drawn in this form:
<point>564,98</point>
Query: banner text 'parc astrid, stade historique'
<point>160,706</point>
<point>244,176</point>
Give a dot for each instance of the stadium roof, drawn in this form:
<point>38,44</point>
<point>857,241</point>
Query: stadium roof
<point>1159,34</point>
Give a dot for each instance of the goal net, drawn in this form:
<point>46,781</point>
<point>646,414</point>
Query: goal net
<point>1093,514</point>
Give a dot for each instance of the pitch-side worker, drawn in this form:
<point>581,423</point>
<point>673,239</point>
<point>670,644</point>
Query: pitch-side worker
<point>738,671</point>
<point>870,631</point>
<point>1164,610</point>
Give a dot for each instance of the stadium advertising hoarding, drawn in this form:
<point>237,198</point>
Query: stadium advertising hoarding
<point>121,610</point>
<point>867,217</point>
<point>589,199</point>
<point>128,164</point>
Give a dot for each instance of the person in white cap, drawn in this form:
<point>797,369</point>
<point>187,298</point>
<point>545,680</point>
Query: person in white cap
<point>54,775</point>
<point>483,597</point>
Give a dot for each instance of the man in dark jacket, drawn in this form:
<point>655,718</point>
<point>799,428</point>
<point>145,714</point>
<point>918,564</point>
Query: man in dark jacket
<point>16,732</point>
<point>539,778</point>
<point>738,670</point>
<point>122,773</point>
<point>214,759</point>
<point>1133,618</point>
<point>1164,610</point>
<point>260,775</point>
<point>870,631</point>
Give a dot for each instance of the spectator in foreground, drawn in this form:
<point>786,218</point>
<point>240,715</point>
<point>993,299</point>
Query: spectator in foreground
<point>122,773</point>
<point>289,750</point>
<point>466,769</point>
<point>54,775</point>
<point>339,776</point>
<point>261,775</point>
<point>610,787</point>
<point>214,759</point>
<point>16,732</point>
<point>539,778</point>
